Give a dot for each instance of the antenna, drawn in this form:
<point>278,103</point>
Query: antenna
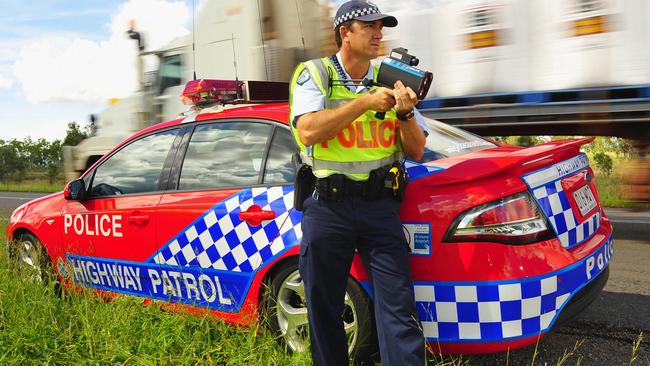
<point>259,15</point>
<point>302,36</point>
<point>234,62</point>
<point>193,35</point>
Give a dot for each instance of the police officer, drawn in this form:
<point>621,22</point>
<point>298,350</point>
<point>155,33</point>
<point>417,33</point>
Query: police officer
<point>347,147</point>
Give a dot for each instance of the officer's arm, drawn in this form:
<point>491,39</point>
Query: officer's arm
<point>412,138</point>
<point>410,133</point>
<point>316,127</point>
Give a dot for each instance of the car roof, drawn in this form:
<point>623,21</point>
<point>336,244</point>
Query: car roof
<point>278,112</point>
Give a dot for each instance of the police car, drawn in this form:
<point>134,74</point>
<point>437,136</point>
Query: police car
<point>506,242</point>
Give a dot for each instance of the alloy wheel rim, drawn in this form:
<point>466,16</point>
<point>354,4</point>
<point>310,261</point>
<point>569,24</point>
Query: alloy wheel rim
<point>291,312</point>
<point>29,259</point>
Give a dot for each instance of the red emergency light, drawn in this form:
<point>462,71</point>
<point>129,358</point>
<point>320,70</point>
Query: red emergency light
<point>206,91</point>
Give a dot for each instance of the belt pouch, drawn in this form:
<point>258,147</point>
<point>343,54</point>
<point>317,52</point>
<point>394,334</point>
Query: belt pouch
<point>303,186</point>
<point>374,188</point>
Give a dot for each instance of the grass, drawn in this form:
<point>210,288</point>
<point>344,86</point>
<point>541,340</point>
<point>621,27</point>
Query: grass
<point>613,190</point>
<point>34,181</point>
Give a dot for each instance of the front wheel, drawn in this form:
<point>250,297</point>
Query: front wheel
<point>287,314</point>
<point>30,257</point>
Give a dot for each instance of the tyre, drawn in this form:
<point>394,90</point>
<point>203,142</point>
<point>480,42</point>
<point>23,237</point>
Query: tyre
<point>30,258</point>
<point>286,310</point>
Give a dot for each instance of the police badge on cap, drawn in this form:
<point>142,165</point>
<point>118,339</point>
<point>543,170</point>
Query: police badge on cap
<point>364,11</point>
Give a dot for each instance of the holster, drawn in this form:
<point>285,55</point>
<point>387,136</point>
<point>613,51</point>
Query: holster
<point>303,186</point>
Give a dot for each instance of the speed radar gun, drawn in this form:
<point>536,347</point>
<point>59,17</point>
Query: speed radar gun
<point>400,65</point>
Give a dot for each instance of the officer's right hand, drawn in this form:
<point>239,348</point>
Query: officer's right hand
<point>380,99</point>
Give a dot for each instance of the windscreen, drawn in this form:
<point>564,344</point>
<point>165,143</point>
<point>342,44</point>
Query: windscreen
<point>445,141</point>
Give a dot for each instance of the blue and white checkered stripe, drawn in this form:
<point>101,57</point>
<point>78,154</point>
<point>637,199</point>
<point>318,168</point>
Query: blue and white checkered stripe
<point>370,9</point>
<point>546,187</point>
<point>220,240</point>
<point>417,170</point>
<point>501,310</point>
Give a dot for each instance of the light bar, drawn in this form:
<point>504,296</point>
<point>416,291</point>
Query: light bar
<point>205,91</point>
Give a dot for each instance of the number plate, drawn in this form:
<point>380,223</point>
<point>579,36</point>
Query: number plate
<point>585,199</point>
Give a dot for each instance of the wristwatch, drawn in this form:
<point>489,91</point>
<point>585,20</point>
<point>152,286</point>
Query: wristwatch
<point>405,116</point>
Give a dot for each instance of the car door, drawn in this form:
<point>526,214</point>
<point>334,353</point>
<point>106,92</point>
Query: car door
<point>118,218</point>
<point>232,196</point>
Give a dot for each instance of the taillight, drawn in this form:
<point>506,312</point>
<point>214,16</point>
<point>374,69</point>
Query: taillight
<point>515,219</point>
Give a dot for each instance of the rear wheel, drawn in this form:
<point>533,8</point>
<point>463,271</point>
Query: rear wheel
<point>287,314</point>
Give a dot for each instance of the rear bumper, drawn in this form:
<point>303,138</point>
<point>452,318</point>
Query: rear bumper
<point>493,316</point>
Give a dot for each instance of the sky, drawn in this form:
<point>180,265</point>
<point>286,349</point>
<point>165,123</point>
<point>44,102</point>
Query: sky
<point>62,60</point>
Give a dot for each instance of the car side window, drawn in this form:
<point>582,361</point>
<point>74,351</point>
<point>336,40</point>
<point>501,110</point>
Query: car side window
<point>135,168</point>
<point>279,166</point>
<point>224,154</point>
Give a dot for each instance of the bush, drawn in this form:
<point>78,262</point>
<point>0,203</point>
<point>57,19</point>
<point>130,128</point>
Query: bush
<point>604,163</point>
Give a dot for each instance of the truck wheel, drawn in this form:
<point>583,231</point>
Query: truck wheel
<point>30,257</point>
<point>287,314</point>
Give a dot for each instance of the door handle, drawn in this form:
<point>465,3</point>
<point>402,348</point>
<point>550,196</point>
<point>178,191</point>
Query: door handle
<point>138,219</point>
<point>255,215</point>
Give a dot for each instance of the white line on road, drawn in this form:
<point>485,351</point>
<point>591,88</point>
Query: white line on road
<point>17,198</point>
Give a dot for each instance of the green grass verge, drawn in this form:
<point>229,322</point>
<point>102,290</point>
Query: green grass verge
<point>613,190</point>
<point>34,181</point>
<point>32,186</point>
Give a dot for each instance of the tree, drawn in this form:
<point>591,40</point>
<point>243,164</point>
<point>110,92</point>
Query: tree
<point>603,162</point>
<point>12,165</point>
<point>54,160</point>
<point>527,141</point>
<point>73,135</point>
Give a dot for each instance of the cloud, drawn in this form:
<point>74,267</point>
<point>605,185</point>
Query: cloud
<point>66,68</point>
<point>5,83</point>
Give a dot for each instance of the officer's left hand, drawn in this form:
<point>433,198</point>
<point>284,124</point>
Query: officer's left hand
<point>405,98</point>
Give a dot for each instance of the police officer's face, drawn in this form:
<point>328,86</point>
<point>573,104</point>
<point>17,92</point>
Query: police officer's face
<point>364,38</point>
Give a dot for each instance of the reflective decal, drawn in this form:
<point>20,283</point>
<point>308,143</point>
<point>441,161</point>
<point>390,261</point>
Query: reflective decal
<point>494,311</point>
<point>417,170</point>
<point>546,186</point>
<point>219,290</point>
<point>218,239</point>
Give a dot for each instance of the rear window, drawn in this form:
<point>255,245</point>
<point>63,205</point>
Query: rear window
<point>445,141</point>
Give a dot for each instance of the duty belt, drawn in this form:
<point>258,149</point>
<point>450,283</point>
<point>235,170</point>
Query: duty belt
<point>352,167</point>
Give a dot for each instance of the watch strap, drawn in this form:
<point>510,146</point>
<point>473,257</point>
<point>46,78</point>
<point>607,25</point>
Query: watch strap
<point>406,116</point>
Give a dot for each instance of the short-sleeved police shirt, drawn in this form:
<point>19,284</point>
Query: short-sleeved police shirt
<point>307,97</point>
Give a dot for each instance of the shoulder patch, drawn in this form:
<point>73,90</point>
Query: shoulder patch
<point>303,77</point>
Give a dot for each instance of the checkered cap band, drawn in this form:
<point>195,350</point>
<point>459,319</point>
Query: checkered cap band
<point>547,189</point>
<point>369,9</point>
<point>218,239</point>
<point>493,311</point>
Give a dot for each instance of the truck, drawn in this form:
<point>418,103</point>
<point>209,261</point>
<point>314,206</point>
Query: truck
<point>231,39</point>
<point>501,67</point>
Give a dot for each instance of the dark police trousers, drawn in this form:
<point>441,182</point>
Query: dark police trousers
<point>331,232</point>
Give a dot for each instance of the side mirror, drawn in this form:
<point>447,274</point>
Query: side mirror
<point>75,190</point>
